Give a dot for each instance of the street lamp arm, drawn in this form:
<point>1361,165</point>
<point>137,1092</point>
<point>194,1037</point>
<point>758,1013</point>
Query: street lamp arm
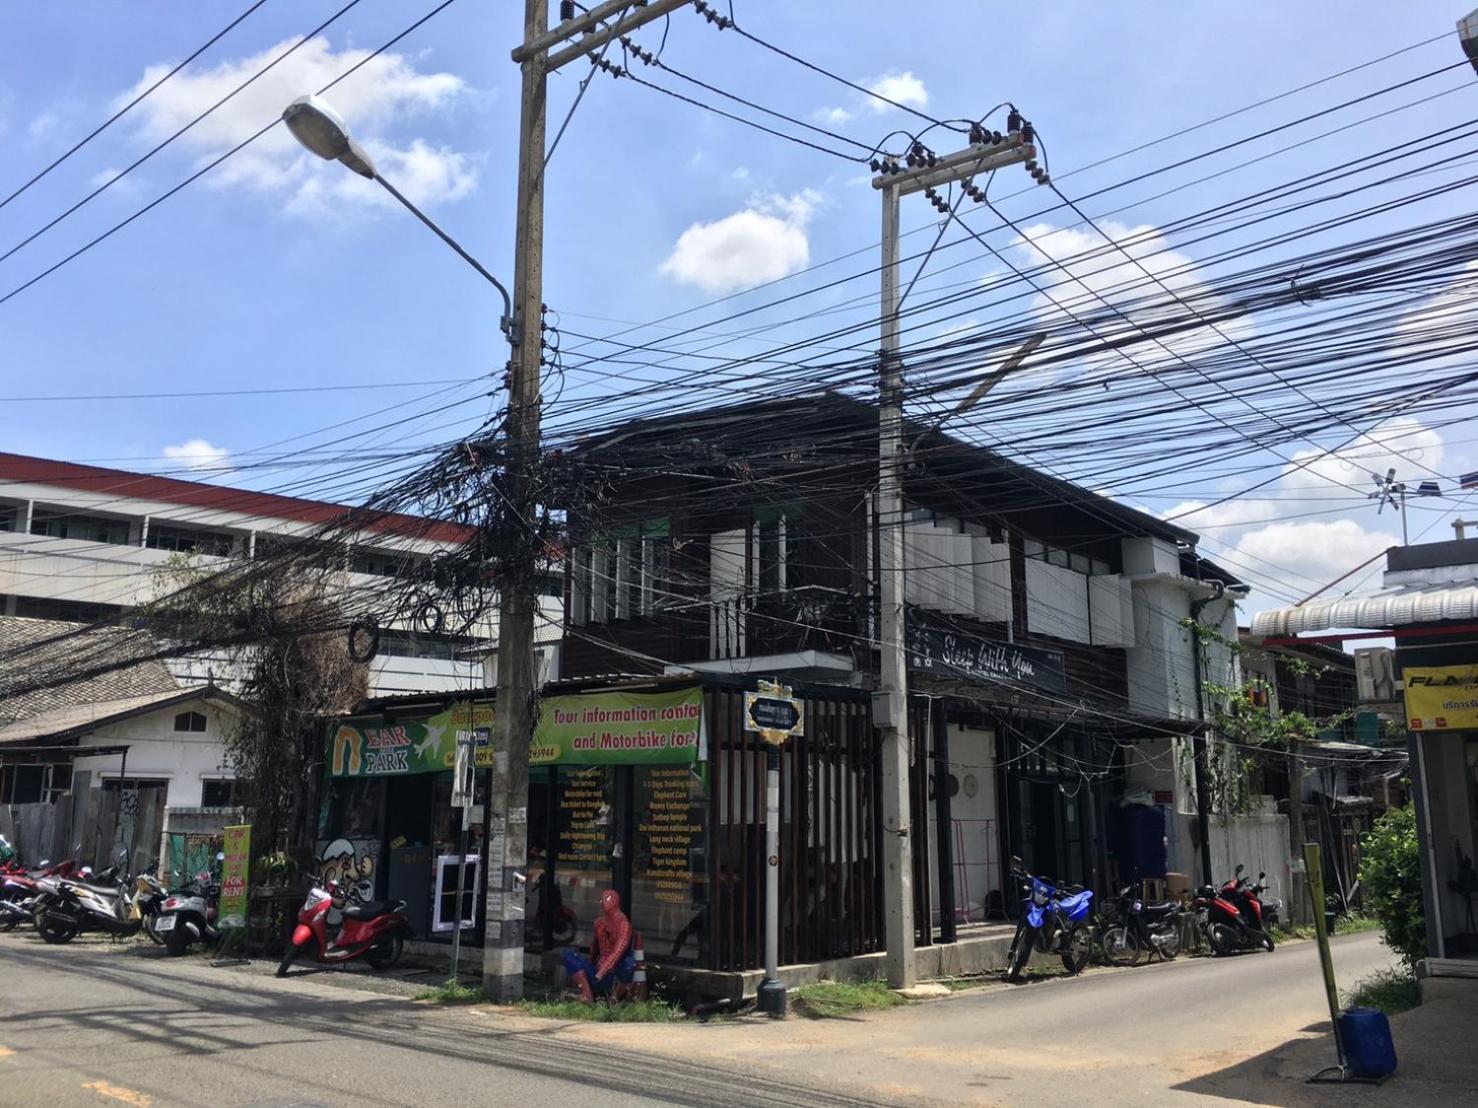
<point>506,323</point>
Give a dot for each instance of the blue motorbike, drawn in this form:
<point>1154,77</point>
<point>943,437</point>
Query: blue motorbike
<point>1052,919</point>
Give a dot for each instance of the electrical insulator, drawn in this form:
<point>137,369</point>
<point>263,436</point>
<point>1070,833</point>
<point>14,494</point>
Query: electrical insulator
<point>566,10</point>
<point>1028,133</point>
<point>1014,121</point>
<point>875,165</point>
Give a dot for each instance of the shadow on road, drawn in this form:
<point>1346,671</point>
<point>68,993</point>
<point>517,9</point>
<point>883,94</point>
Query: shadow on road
<point>194,1015</point>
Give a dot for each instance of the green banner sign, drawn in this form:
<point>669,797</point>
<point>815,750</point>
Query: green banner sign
<point>233,876</point>
<point>620,728</point>
<point>429,745</point>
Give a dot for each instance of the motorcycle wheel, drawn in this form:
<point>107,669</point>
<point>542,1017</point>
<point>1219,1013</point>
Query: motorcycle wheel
<point>177,942</point>
<point>1077,947</point>
<point>55,932</point>
<point>385,953</point>
<point>1267,942</point>
<point>9,922</point>
<point>154,937</point>
<point>1170,946</point>
<point>289,956</point>
<point>1120,947</point>
<point>1021,951</point>
<point>1222,938</point>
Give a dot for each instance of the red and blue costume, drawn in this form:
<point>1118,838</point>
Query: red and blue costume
<point>611,961</point>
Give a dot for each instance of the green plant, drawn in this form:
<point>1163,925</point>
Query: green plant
<point>276,869</point>
<point>641,1011</point>
<point>453,992</point>
<point>1390,990</point>
<point>830,999</point>
<point>1391,879</point>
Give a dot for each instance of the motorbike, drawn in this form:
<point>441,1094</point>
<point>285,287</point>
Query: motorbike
<point>67,907</point>
<point>1141,929</point>
<point>1231,917</point>
<point>188,914</point>
<point>149,895</point>
<point>339,925</point>
<point>21,887</point>
<point>1053,919</point>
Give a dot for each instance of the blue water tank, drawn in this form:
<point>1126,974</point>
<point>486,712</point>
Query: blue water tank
<point>1366,1034</point>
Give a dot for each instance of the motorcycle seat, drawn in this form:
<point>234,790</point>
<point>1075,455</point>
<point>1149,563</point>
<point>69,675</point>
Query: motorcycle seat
<point>369,909</point>
<point>101,890</point>
<point>1156,911</point>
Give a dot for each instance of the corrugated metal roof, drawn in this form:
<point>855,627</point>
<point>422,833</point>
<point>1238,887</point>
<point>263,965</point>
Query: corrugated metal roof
<point>1398,606</point>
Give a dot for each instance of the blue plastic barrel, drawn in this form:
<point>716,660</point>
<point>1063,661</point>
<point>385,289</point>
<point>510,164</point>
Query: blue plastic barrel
<point>1366,1034</point>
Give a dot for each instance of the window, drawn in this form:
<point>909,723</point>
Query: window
<point>379,563</point>
<point>1067,559</point>
<point>193,722</point>
<point>617,578</point>
<point>10,517</point>
<point>188,540</point>
<point>220,793</point>
<point>128,784</point>
<point>83,528</point>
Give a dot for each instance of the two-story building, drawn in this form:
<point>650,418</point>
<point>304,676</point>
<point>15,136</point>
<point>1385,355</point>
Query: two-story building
<point>1051,664</point>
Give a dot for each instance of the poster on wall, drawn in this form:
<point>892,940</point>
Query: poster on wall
<point>620,728</point>
<point>233,876</point>
<point>1441,698</point>
<point>426,745</point>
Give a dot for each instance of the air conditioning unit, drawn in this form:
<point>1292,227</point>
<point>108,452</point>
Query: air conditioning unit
<point>1375,674</point>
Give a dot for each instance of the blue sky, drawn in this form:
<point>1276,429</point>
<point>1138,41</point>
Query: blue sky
<point>275,271</point>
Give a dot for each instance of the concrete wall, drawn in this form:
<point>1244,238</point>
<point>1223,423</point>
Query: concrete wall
<point>156,750</point>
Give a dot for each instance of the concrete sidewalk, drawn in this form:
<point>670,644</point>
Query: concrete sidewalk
<point>1436,1063</point>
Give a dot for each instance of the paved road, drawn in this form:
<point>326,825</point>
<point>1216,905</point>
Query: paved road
<point>92,1024</point>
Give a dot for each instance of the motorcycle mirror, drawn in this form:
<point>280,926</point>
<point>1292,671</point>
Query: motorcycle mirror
<point>45,863</point>
<point>1260,876</point>
<point>220,855</point>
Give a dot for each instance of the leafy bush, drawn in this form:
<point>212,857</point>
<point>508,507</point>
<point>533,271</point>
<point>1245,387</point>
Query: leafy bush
<point>1391,878</point>
<point>1390,990</point>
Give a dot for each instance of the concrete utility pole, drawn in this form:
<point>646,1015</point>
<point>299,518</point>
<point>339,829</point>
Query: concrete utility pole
<point>890,705</point>
<point>518,599</point>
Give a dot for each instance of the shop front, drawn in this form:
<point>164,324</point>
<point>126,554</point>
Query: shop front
<point>651,788</point>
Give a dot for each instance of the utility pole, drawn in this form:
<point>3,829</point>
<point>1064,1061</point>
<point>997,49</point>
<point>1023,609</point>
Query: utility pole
<point>543,51</point>
<point>890,705</point>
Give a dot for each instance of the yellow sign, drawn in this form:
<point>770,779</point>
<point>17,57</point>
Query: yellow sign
<point>1441,698</point>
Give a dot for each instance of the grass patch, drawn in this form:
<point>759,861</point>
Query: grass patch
<point>643,1011</point>
<point>1390,990</point>
<point>830,999</point>
<point>1344,925</point>
<point>453,992</point>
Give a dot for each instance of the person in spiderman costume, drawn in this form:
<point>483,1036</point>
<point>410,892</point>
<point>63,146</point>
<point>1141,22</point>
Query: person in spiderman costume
<point>611,964</point>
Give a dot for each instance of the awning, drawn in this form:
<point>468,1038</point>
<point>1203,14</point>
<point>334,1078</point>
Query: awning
<point>1398,606</point>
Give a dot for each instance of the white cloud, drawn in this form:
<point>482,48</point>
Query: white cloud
<point>763,242</point>
<point>740,174</point>
<point>903,88</point>
<point>1314,550</point>
<point>198,454</point>
<point>1137,278</point>
<point>43,123</point>
<point>834,117</point>
<point>381,97</point>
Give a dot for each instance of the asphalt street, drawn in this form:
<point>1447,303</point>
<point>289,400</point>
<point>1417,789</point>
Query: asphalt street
<point>92,1023</point>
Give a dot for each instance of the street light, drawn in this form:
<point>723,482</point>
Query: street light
<point>323,131</point>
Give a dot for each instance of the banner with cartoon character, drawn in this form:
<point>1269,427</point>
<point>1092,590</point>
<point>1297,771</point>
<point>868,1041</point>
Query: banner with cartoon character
<point>429,745</point>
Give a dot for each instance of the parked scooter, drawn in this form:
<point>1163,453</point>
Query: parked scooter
<point>1142,929</point>
<point>69,907</point>
<point>1053,919</point>
<point>336,925</point>
<point>149,894</point>
<point>188,914</point>
<point>1232,918</point>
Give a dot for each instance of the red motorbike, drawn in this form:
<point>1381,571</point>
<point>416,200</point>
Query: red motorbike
<point>1232,917</point>
<point>19,888</point>
<point>339,927</point>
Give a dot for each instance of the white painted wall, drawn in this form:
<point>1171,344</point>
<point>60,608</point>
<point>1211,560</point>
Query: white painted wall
<point>156,750</point>
<point>976,833</point>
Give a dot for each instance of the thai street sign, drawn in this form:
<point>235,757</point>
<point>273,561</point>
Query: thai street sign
<point>1441,698</point>
<point>620,728</point>
<point>774,713</point>
<point>234,875</point>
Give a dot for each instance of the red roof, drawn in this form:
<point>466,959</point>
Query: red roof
<point>196,494</point>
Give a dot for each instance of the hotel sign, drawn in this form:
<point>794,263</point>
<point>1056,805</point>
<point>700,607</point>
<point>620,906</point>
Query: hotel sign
<point>939,653</point>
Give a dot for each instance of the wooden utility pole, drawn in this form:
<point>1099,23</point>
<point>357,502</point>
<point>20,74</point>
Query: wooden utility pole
<point>890,710</point>
<point>516,705</point>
